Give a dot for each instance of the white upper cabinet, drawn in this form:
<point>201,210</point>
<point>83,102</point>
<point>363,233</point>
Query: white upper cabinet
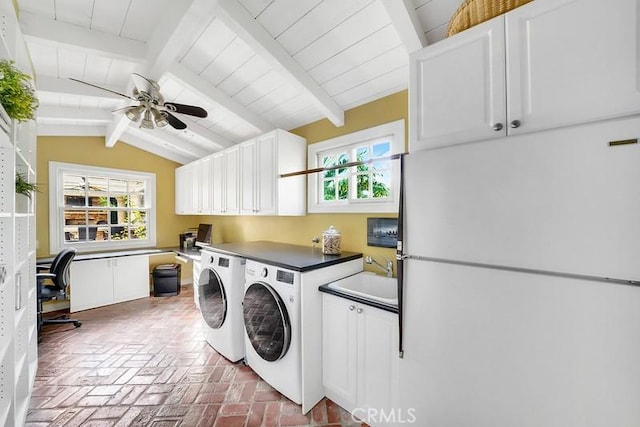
<point>183,192</point>
<point>457,91</point>
<point>245,179</point>
<point>572,61</point>
<point>262,160</point>
<point>224,182</point>
<point>258,178</point>
<point>547,64</point>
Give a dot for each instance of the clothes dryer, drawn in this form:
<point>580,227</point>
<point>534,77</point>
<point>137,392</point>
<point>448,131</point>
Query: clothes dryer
<point>271,311</point>
<point>220,292</point>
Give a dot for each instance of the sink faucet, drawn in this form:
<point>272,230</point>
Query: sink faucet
<point>388,269</point>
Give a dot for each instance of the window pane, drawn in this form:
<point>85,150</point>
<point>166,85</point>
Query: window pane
<point>362,187</point>
<point>120,233</point>
<point>139,232</point>
<point>97,191</point>
<point>74,190</point>
<point>136,194</point>
<point>328,161</point>
<point>342,159</point>
<point>329,190</point>
<point>75,217</point>
<point>362,153</point>
<point>381,185</point>
<point>382,149</point>
<point>343,189</point>
<point>97,217</point>
<point>138,217</point>
<point>88,233</point>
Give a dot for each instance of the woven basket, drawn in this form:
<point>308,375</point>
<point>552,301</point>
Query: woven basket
<point>473,12</point>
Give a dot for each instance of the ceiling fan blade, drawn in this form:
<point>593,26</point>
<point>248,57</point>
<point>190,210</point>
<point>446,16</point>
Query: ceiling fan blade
<point>191,110</point>
<point>103,88</point>
<point>118,110</point>
<point>174,122</point>
<point>144,84</point>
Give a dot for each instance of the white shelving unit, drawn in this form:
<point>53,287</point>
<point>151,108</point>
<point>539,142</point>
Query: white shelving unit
<point>18,319</point>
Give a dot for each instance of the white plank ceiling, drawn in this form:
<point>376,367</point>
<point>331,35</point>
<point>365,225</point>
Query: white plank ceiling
<point>254,65</point>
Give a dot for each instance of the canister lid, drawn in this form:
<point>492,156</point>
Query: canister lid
<point>331,230</point>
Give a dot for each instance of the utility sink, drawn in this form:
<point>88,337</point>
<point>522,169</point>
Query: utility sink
<point>370,286</point>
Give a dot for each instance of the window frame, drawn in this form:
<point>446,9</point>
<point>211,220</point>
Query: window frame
<point>56,207</point>
<point>394,131</point>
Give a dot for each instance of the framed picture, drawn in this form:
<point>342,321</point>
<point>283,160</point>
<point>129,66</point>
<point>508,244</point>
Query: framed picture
<point>382,232</point>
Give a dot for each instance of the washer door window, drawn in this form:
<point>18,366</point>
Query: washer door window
<point>266,321</point>
<point>213,300</point>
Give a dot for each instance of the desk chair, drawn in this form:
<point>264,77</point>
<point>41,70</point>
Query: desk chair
<point>58,276</point>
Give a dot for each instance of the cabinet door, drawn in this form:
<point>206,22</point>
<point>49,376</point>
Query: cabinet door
<point>182,190</point>
<point>91,284</point>
<point>377,364</point>
<point>248,173</point>
<point>457,88</point>
<point>231,182</point>
<point>195,187</point>
<point>130,278</point>
<point>206,187</point>
<point>266,170</point>
<point>218,184</point>
<point>572,61</point>
<point>339,350</point>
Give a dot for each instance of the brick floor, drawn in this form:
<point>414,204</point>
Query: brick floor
<point>146,363</point>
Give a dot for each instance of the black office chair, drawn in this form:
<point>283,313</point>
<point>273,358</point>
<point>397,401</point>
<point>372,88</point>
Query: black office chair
<point>56,285</point>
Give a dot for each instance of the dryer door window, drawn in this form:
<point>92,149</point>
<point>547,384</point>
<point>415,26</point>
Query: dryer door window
<point>266,321</point>
<point>212,297</point>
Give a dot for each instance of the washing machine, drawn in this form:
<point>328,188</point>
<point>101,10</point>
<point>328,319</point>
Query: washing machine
<point>220,293</point>
<point>271,311</point>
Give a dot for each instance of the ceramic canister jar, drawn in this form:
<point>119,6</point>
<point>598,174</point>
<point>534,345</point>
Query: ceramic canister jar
<point>331,241</point>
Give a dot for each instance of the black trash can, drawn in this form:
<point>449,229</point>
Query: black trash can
<point>166,280</point>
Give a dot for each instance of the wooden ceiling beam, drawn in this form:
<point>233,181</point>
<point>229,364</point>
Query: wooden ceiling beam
<point>198,85</point>
<point>236,17</point>
<point>406,23</point>
<point>60,34</point>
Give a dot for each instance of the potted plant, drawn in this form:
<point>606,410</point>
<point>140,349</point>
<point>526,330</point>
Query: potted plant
<point>17,94</point>
<point>24,187</point>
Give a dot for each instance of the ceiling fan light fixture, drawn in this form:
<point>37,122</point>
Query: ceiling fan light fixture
<point>159,118</point>
<point>146,122</point>
<point>134,113</point>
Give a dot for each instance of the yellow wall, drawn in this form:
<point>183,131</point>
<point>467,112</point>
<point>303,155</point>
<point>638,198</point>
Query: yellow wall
<point>294,230</point>
<point>300,230</point>
<point>91,151</point>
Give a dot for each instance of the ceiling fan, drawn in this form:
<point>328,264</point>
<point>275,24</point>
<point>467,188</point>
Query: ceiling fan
<point>152,108</point>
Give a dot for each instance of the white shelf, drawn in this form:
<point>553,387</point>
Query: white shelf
<point>18,328</point>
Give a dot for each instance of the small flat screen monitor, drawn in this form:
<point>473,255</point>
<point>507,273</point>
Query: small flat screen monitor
<point>204,235</point>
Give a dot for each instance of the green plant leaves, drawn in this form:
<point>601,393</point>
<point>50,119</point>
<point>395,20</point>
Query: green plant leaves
<point>17,95</point>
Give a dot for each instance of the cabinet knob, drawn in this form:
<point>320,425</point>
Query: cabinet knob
<point>515,124</point>
<point>497,127</point>
<point>359,310</point>
<point>352,307</point>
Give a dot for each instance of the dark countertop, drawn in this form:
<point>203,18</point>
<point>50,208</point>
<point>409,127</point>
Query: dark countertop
<point>372,303</point>
<point>292,257</point>
<point>110,254</point>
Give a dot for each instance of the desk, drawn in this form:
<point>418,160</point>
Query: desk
<point>108,277</point>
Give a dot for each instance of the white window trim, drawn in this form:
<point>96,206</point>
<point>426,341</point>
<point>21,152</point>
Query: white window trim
<point>56,210</point>
<point>395,132</point>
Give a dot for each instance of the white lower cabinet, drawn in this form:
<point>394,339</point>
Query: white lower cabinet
<point>360,358</point>
<point>104,281</point>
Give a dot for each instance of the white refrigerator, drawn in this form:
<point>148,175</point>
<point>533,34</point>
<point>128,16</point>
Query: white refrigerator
<point>521,273</point>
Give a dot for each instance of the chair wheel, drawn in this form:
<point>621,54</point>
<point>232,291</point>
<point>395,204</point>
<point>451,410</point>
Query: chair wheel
<point>77,324</point>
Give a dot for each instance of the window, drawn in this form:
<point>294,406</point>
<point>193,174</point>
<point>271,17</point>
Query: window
<point>369,187</point>
<point>95,208</point>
